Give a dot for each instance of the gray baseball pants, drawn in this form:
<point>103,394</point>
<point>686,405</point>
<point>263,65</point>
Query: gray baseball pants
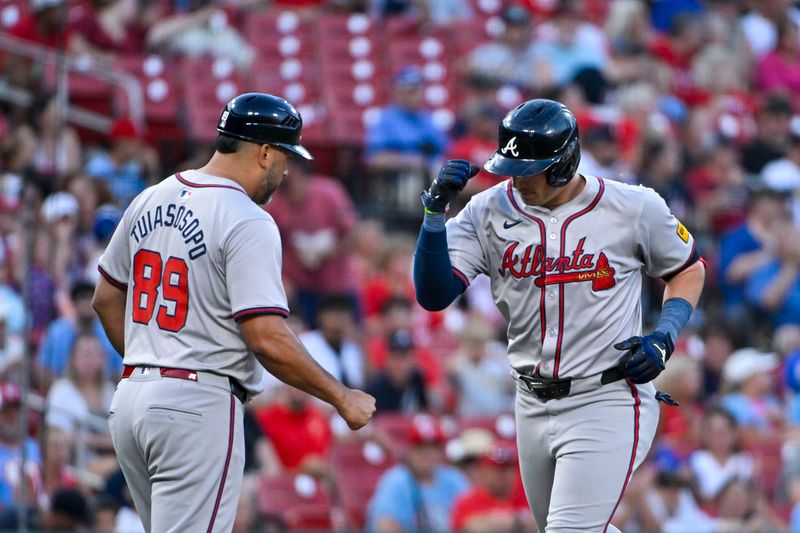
<point>578,453</point>
<point>180,444</point>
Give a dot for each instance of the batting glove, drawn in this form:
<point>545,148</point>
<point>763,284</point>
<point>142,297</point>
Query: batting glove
<point>451,180</point>
<point>646,356</point>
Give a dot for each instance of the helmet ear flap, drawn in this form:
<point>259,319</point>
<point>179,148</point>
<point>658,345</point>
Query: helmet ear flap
<point>562,172</point>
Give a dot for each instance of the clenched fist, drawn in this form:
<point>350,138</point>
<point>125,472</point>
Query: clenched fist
<point>356,408</point>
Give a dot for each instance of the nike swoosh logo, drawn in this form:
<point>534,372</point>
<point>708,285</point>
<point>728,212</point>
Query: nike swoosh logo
<point>663,353</point>
<point>507,225</point>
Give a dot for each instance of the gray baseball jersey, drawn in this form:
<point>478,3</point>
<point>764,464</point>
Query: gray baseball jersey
<point>568,280</point>
<point>195,254</point>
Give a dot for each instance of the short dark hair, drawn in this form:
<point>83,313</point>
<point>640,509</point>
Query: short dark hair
<point>81,289</point>
<point>226,144</point>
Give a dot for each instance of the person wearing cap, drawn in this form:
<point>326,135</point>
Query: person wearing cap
<point>478,143</point>
<point>55,348</point>
<point>417,494</point>
<point>772,133</point>
<point>748,380</point>
<point>127,165</point>
<point>11,449</point>
<point>399,386</point>
<point>600,155</point>
<point>404,137</point>
<point>317,218</point>
<point>490,506</point>
<point>747,248</point>
<point>191,295</point>
<point>783,174</point>
<point>511,59</point>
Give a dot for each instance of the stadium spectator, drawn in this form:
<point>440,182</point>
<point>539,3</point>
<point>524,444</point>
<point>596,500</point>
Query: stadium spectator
<point>719,458</point>
<point>466,450</point>
<point>399,386</point>
<point>78,403</point>
<point>676,49</point>
<point>489,505</point>
<point>659,167</point>
<point>680,429</point>
<point>404,137</point>
<point>418,494</point>
<point>105,28</point>
<point>510,59</point>
<point>575,53</point>
<point>127,165</point>
<point>774,287</point>
<point>12,308</point>
<point>744,504</point>
<point>670,506</point>
<point>479,376</point>
<point>477,144</point>
<point>747,248</point>
<point>57,472</point>
<point>46,25</point>
<point>760,25</point>
<point>787,342</point>
<point>11,450</point>
<point>60,215</point>
<point>333,345</point>
<point>780,69</point>
<point>52,149</point>
<point>783,175</point>
<point>68,511</point>
<point>751,401</point>
<point>297,431</point>
<point>600,154</point>
<point>628,26</point>
<point>772,133</point>
<point>12,350</point>
<point>316,218</point>
<point>54,352</point>
<point>392,279</point>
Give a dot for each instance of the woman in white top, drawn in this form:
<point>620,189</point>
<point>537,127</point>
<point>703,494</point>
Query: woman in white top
<point>78,403</point>
<point>720,460</point>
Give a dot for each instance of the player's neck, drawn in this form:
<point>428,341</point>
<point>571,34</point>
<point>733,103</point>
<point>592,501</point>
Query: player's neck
<point>223,166</point>
<point>568,192</point>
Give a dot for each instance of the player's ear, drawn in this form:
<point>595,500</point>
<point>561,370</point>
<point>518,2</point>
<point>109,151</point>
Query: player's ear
<point>265,155</point>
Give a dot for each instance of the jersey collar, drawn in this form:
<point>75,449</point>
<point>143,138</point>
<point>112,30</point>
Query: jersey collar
<point>584,198</point>
<point>193,178</point>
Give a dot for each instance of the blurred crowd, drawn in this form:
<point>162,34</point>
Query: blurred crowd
<point>697,99</point>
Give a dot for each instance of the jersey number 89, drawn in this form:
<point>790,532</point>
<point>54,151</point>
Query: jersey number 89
<point>150,273</point>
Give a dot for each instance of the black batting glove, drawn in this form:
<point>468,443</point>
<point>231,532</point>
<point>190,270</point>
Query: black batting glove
<point>452,178</point>
<point>646,356</point>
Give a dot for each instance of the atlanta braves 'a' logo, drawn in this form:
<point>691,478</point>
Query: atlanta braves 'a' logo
<point>511,146</point>
<point>575,267</point>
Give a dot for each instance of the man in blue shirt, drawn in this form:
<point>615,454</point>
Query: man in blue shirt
<point>54,352</point>
<point>405,138</point>
<point>417,495</point>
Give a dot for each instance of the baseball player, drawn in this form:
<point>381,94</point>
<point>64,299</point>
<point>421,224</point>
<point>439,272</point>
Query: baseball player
<point>565,254</point>
<point>191,294</point>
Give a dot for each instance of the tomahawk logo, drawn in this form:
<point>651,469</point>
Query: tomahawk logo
<point>511,146</point>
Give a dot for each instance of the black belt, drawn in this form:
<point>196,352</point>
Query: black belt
<point>552,389</point>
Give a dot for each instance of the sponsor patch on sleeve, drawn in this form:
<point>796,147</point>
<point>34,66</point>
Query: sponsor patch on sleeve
<point>683,233</point>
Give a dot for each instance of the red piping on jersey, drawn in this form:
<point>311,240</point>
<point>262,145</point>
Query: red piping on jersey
<point>118,284</point>
<point>261,311</point>
<point>461,276</point>
<point>561,286</point>
<point>206,185</point>
<point>636,403</point>
<point>225,469</point>
<point>544,252</point>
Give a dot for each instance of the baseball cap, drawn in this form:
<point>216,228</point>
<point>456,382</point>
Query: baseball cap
<point>401,341</point>
<point>500,454</point>
<point>472,443</point>
<point>425,429</point>
<point>106,219</point>
<point>409,77</point>
<point>122,129</point>
<point>59,205</point>
<point>746,362</point>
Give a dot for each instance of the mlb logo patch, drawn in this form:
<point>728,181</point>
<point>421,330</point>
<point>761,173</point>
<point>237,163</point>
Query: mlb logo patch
<point>185,194</point>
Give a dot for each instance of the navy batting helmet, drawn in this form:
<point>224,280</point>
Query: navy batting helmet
<point>538,136</point>
<point>263,119</point>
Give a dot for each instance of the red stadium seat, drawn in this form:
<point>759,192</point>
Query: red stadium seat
<point>358,466</point>
<point>299,501</point>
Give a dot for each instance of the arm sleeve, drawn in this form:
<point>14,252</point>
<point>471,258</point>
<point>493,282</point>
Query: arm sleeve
<point>446,261</point>
<point>115,263</point>
<point>252,262</point>
<point>666,246</point>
